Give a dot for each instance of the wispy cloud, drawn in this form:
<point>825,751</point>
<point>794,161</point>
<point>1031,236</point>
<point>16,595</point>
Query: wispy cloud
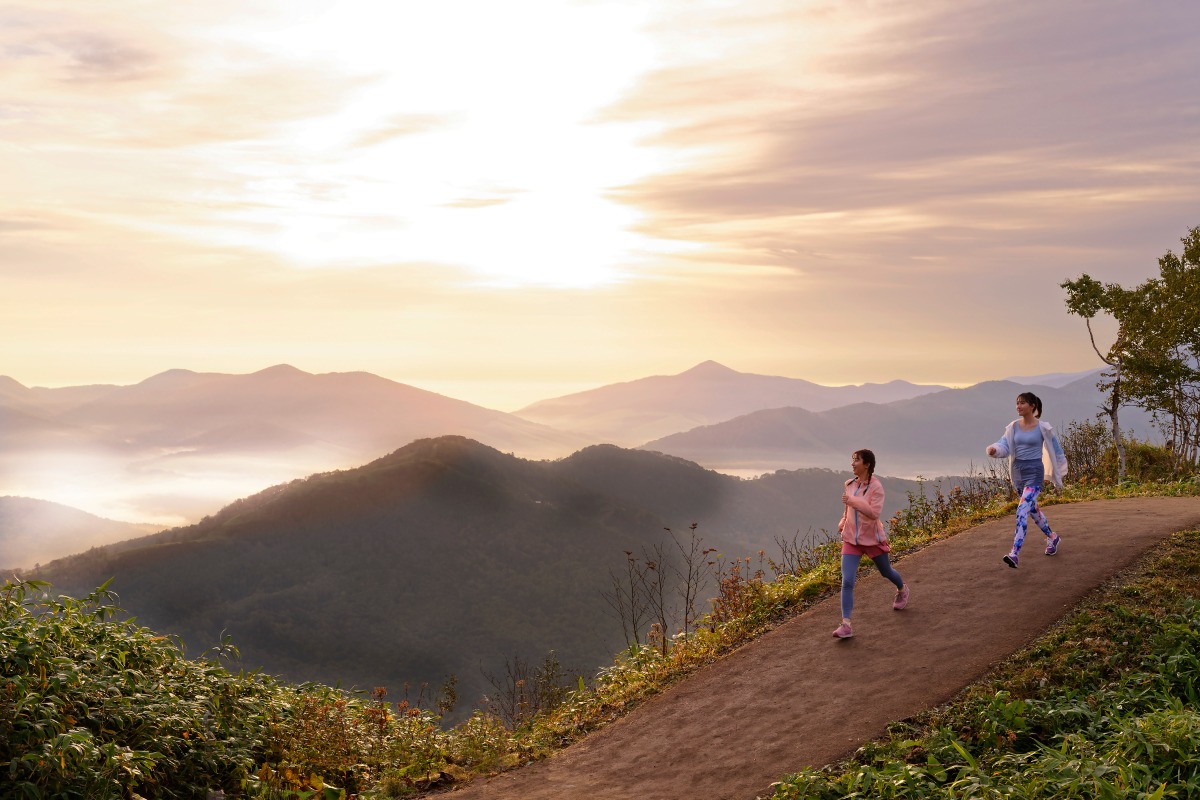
<point>402,126</point>
<point>934,127</point>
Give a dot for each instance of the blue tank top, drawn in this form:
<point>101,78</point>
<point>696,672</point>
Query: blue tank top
<point>1028,444</point>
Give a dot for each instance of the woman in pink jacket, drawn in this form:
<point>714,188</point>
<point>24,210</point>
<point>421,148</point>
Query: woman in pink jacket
<point>863,534</point>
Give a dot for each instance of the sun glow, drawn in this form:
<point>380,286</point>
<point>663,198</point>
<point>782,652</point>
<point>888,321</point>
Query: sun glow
<point>472,139</point>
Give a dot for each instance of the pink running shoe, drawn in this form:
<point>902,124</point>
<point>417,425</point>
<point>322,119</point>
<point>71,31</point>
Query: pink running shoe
<point>1052,548</point>
<point>1011,559</point>
<point>844,631</point>
<point>901,598</point>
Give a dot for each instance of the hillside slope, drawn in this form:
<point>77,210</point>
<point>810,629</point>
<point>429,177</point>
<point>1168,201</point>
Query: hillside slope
<point>798,697</point>
<point>444,557</point>
<point>33,531</point>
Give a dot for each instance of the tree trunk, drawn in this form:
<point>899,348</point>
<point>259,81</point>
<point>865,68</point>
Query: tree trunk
<point>1116,423</point>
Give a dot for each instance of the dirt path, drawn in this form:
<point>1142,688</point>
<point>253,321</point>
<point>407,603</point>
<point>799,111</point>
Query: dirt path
<point>798,697</point>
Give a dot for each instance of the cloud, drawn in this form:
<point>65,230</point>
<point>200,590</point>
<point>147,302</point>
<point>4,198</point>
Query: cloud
<point>401,126</point>
<point>83,77</point>
<point>934,127</point>
<point>102,59</point>
<point>479,202</point>
<point>59,46</point>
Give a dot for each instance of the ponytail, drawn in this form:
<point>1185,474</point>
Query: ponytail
<point>1033,400</point>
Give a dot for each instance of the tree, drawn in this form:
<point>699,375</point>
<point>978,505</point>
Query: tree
<point>643,596</point>
<point>1087,297</point>
<point>691,574</point>
<point>525,690</point>
<point>1153,361</point>
<point>629,599</point>
<point>1166,373</point>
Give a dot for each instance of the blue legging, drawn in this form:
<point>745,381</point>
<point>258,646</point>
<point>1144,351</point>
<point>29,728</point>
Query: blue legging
<point>1029,508</point>
<point>850,575</point>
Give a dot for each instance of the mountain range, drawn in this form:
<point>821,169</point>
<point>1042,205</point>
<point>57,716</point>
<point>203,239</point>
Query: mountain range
<point>635,412</point>
<point>936,434</point>
<point>443,557</point>
<point>181,445</point>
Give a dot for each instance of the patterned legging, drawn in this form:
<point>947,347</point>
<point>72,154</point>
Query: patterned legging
<point>1029,508</point>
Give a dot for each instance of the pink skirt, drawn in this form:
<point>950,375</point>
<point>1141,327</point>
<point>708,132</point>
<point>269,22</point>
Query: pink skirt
<point>868,550</point>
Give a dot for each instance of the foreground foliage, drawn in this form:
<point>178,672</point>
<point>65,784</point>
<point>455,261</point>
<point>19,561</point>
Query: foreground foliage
<point>95,707</point>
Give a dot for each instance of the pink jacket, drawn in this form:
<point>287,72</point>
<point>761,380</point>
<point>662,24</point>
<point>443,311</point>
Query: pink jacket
<point>861,523</point>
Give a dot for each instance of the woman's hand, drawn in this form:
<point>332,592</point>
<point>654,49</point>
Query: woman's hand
<point>991,451</point>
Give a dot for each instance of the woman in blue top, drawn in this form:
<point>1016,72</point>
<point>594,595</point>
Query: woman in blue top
<point>1023,442</point>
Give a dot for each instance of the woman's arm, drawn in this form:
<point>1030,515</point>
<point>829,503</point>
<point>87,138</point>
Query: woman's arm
<point>870,503</point>
<point>1056,453</point>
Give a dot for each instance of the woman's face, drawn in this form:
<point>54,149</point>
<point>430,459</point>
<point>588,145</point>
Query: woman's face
<point>1024,409</point>
<point>856,464</point>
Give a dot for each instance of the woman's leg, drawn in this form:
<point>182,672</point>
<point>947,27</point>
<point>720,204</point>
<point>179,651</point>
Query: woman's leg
<point>849,576</point>
<point>1028,502</point>
<point>1038,517</point>
<point>884,564</point>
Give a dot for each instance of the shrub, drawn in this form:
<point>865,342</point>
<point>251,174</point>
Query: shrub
<point>91,706</point>
<point>1092,456</point>
<point>1143,462</point>
<point>1088,446</point>
<point>968,500</point>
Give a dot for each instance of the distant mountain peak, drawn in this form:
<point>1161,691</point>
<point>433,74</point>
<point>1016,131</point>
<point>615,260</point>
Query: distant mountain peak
<point>11,384</point>
<point>171,377</point>
<point>280,370</point>
<point>171,373</point>
<point>1054,379</point>
<point>711,369</point>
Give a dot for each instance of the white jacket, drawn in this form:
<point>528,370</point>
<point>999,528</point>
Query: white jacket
<point>1057,461</point>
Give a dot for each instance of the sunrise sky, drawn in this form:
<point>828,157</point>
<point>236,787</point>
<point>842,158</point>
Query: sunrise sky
<point>504,202</point>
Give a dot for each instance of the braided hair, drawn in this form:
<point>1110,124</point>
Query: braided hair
<point>868,459</point>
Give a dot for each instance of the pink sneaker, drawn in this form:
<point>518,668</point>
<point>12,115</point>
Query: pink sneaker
<point>901,598</point>
<point>1052,547</point>
<point>844,631</point>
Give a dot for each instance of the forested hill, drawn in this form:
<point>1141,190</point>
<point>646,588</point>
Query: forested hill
<point>441,558</point>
